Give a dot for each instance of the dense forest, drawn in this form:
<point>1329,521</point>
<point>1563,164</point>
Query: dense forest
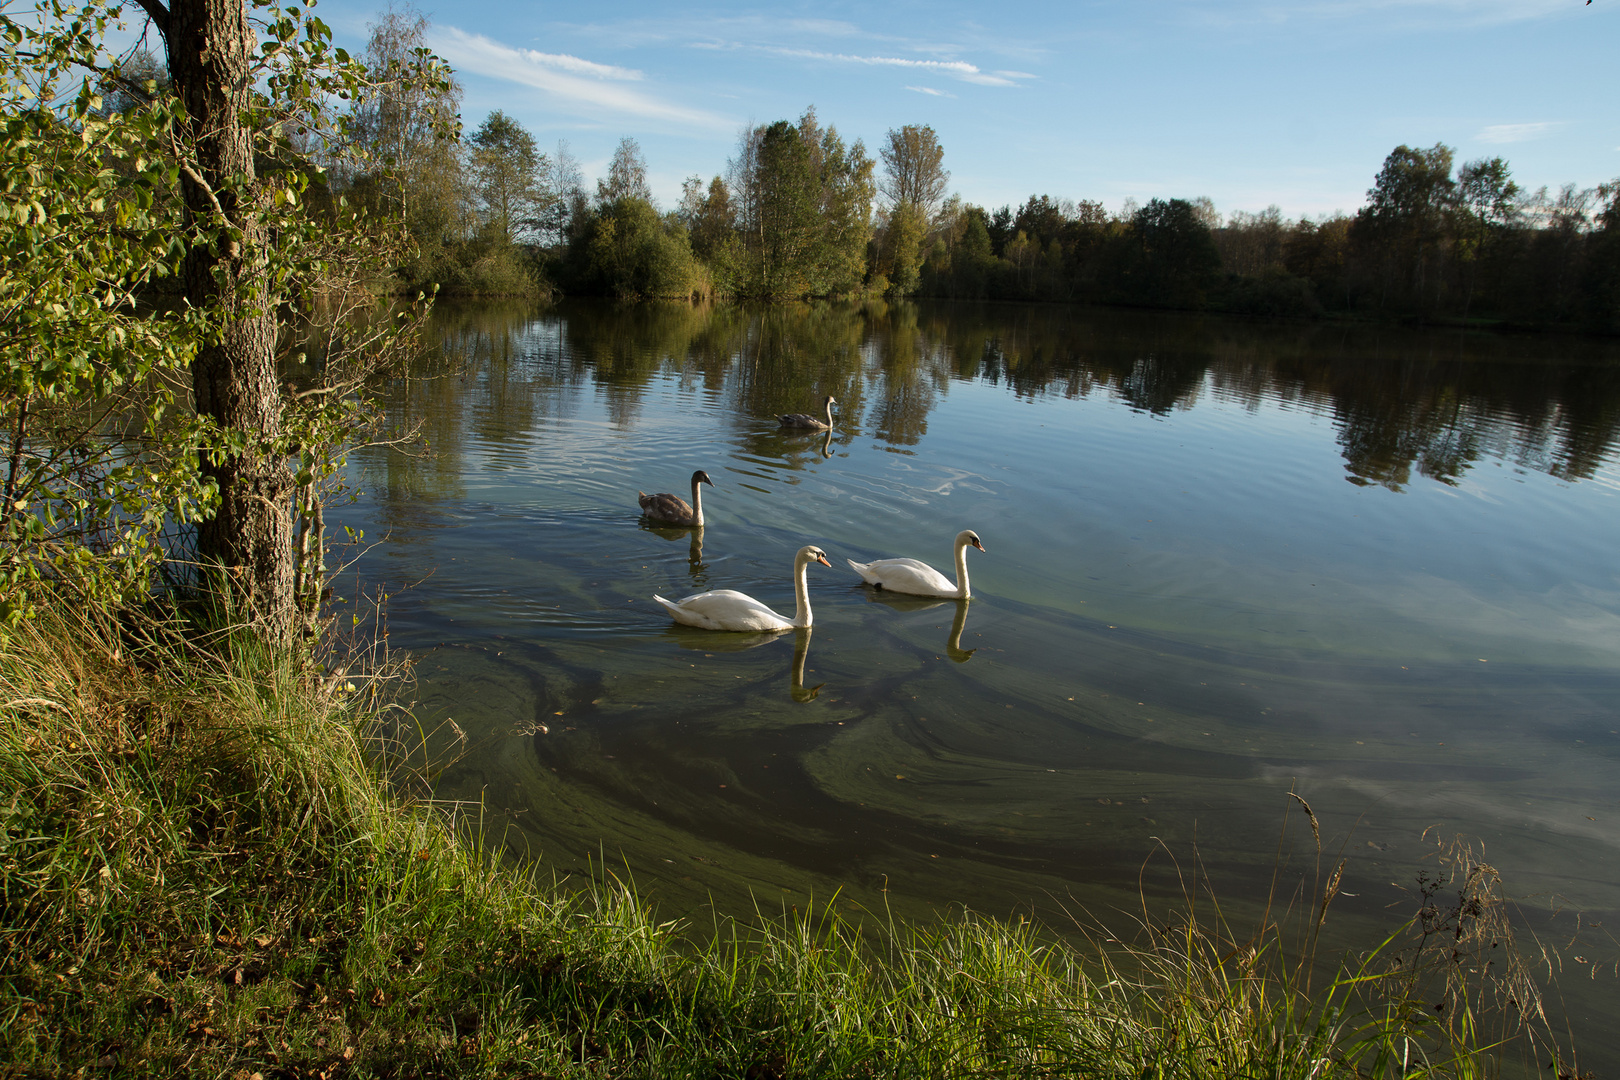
<point>799,212</point>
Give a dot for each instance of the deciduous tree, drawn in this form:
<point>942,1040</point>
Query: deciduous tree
<point>1404,224</point>
<point>509,176</point>
<point>1487,200</point>
<point>1174,256</point>
<point>913,169</point>
<point>243,246</point>
<point>904,231</point>
<point>803,206</point>
<point>844,177</point>
<point>785,204</point>
<point>713,222</point>
<point>627,174</point>
<point>86,193</point>
<point>402,155</point>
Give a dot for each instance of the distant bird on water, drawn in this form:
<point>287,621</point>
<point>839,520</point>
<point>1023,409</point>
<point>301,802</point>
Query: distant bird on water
<point>672,509</point>
<point>805,420</point>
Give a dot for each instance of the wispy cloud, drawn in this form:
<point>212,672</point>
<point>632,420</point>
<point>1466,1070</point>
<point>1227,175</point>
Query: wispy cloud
<point>956,69</point>
<point>773,36</point>
<point>929,90</point>
<point>1391,14</point>
<point>1517,133</point>
<point>569,80</point>
<point>564,62</point>
<point>756,31</point>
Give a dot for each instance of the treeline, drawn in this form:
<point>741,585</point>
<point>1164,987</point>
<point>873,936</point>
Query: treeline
<point>1430,243</point>
<point>799,212</point>
<point>794,216</point>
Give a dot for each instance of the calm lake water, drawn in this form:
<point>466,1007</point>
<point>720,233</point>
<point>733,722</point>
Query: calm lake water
<point>1223,561</point>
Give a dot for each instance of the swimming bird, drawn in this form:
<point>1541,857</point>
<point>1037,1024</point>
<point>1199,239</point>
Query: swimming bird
<point>673,509</point>
<point>918,578</point>
<point>728,609</point>
<point>805,420</point>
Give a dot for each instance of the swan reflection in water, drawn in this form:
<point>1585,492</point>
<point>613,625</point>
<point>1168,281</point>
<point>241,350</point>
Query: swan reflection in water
<point>801,650</point>
<point>900,602</point>
<point>695,566</point>
<point>706,642</point>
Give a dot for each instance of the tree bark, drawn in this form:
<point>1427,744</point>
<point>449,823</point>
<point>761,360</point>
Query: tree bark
<point>250,538</point>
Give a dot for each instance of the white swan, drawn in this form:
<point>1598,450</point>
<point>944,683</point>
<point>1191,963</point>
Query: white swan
<point>672,509</point>
<point>918,578</point>
<point>728,609</point>
<point>805,420</point>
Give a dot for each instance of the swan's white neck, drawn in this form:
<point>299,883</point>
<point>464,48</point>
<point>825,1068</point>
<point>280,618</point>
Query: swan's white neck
<point>801,591</point>
<point>829,416</point>
<point>697,502</point>
<point>961,568</point>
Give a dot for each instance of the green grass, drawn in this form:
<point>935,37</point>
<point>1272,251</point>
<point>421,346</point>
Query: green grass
<point>205,874</point>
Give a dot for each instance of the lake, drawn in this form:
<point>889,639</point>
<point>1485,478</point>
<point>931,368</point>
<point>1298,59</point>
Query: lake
<point>1224,561</point>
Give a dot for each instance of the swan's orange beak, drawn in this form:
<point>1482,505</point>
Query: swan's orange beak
<point>978,545</point>
<point>822,559</point>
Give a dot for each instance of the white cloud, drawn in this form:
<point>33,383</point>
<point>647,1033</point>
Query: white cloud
<point>564,62</point>
<point>1517,133</point>
<point>956,69</point>
<point>1392,14</point>
<point>774,36</point>
<point>568,80</point>
<point>929,90</point>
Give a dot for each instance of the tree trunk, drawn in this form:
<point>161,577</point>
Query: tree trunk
<point>249,538</point>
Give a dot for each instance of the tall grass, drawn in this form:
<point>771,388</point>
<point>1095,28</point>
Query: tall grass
<point>206,873</point>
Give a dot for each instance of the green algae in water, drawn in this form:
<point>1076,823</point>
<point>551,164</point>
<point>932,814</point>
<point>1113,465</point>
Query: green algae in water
<point>1224,561</point>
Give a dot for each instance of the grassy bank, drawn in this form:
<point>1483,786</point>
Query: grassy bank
<point>205,876</point>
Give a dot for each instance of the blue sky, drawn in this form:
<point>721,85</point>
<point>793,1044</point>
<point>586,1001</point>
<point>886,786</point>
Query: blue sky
<point>1248,102</point>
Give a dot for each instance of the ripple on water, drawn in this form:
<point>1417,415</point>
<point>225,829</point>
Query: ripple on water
<point>1184,608</point>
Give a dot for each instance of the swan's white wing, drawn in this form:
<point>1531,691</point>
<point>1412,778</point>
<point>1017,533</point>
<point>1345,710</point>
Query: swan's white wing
<point>724,609</point>
<point>905,576</point>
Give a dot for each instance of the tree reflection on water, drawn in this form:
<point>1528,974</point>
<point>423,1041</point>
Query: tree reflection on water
<point>1405,402</point>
